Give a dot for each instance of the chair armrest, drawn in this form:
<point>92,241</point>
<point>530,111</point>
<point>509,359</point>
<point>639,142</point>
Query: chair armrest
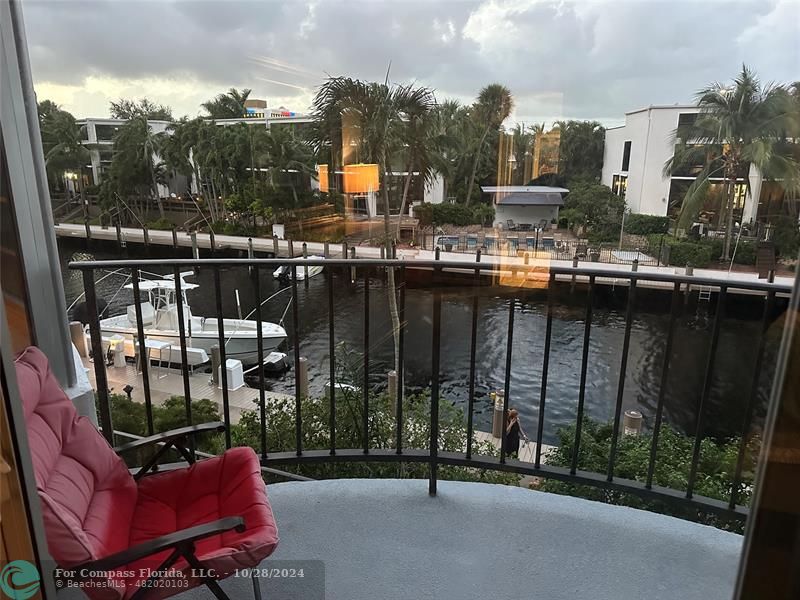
<point>184,537</point>
<point>172,435</point>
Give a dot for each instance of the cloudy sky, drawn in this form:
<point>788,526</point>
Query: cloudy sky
<point>585,59</point>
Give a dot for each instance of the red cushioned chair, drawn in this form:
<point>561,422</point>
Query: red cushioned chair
<point>129,533</point>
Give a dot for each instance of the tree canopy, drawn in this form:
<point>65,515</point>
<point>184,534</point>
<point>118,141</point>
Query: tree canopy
<point>128,109</point>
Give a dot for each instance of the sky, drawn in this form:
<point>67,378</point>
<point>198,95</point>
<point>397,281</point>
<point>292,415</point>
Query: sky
<point>560,59</point>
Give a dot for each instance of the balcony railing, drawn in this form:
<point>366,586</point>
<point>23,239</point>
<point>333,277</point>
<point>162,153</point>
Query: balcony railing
<point>544,277</point>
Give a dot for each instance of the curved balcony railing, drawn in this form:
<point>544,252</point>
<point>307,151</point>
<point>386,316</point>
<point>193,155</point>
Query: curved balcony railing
<point>516,274</point>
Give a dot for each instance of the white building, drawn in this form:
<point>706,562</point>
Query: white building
<point>99,138</point>
<point>528,206</point>
<point>634,158</point>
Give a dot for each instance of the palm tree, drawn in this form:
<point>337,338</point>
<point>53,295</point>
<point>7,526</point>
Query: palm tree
<point>380,115</point>
<point>136,163</point>
<point>286,156</point>
<point>62,142</point>
<point>522,143</point>
<point>229,105</point>
<point>738,125</point>
<point>494,106</point>
<point>580,150</point>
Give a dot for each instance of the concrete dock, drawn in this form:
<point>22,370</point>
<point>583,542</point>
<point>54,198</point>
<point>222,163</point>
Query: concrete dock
<point>520,271</point>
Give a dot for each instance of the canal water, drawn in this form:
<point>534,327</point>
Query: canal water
<point>732,374</point>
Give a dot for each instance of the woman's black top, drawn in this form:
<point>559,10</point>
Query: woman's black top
<point>512,439</point>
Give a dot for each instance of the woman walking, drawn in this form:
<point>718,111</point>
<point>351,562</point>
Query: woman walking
<point>513,433</point>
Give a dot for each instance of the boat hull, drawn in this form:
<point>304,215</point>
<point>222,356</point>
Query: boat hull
<point>240,345</point>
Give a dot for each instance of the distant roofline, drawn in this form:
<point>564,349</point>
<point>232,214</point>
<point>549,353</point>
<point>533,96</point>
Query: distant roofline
<point>113,121</point>
<point>664,107</point>
<point>523,189</point>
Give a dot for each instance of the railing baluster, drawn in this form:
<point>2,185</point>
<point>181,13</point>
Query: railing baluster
<point>708,381</point>
<point>507,382</point>
<point>144,355</point>
<point>473,343</point>
<point>623,369</point>
<point>436,340</point>
<point>584,366</point>
<point>262,400</point>
<point>101,379</point>
<point>298,411</point>
<point>400,362</point>
<point>332,363</point>
<point>748,415</point>
<point>187,392</point>
<point>223,367</point>
<point>365,415</point>
<point>545,367</point>
<point>662,390</point>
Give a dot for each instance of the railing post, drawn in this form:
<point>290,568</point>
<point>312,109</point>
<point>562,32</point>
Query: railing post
<point>275,245</point>
<point>118,229</point>
<point>435,347</point>
<point>305,269</point>
<point>291,248</point>
<point>101,380</point>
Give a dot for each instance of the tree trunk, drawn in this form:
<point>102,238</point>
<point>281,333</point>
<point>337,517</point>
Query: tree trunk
<point>158,196</point>
<point>393,312</point>
<point>406,186</point>
<point>475,166</point>
<point>730,202</point>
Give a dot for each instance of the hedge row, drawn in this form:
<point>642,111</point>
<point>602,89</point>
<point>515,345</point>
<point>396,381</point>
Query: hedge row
<point>702,252</point>
<point>453,214</point>
<point>646,224</point>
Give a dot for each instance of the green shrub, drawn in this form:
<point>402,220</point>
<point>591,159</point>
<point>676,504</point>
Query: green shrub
<point>684,252</point>
<point>162,224</point>
<point>745,253</point>
<point>786,235</point>
<point>453,214</point>
<point>715,474</point>
<point>646,224</point>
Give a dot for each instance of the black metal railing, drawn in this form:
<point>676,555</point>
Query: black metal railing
<point>677,285</point>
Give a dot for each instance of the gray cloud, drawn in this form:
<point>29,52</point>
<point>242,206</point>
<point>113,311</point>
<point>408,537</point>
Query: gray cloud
<point>560,59</point>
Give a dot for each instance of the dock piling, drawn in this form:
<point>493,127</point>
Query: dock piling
<point>291,248</point>
<point>275,245</point>
<point>216,361</point>
<point>195,249</point>
<point>174,237</point>
<point>302,371</point>
<point>146,235</point>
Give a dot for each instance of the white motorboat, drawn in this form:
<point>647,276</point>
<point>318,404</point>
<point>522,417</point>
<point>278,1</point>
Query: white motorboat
<point>160,321</point>
<point>304,272</point>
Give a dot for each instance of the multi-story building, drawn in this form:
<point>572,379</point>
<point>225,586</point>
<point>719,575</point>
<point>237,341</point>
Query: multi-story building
<point>633,166</point>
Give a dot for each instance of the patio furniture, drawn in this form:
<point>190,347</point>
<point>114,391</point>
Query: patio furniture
<point>510,225</point>
<point>129,536</point>
<point>580,251</point>
<point>524,227</point>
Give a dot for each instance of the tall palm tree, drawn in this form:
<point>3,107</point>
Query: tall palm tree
<point>136,163</point>
<point>62,142</point>
<point>229,105</point>
<point>379,113</point>
<point>494,106</point>
<point>287,156</point>
<point>738,125</point>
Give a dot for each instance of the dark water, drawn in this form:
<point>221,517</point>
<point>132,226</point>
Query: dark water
<point>733,367</point>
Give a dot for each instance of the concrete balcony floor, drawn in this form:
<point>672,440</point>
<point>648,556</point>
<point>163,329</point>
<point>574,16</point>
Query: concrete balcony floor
<point>387,539</point>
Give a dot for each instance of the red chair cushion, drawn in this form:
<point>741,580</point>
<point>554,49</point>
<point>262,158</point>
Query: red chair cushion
<point>224,486</point>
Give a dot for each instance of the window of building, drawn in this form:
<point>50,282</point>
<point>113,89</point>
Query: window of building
<point>619,185</point>
<point>626,156</point>
<point>687,119</point>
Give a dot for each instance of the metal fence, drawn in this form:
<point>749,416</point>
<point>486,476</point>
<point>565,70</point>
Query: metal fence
<point>367,269</point>
<point>543,245</point>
